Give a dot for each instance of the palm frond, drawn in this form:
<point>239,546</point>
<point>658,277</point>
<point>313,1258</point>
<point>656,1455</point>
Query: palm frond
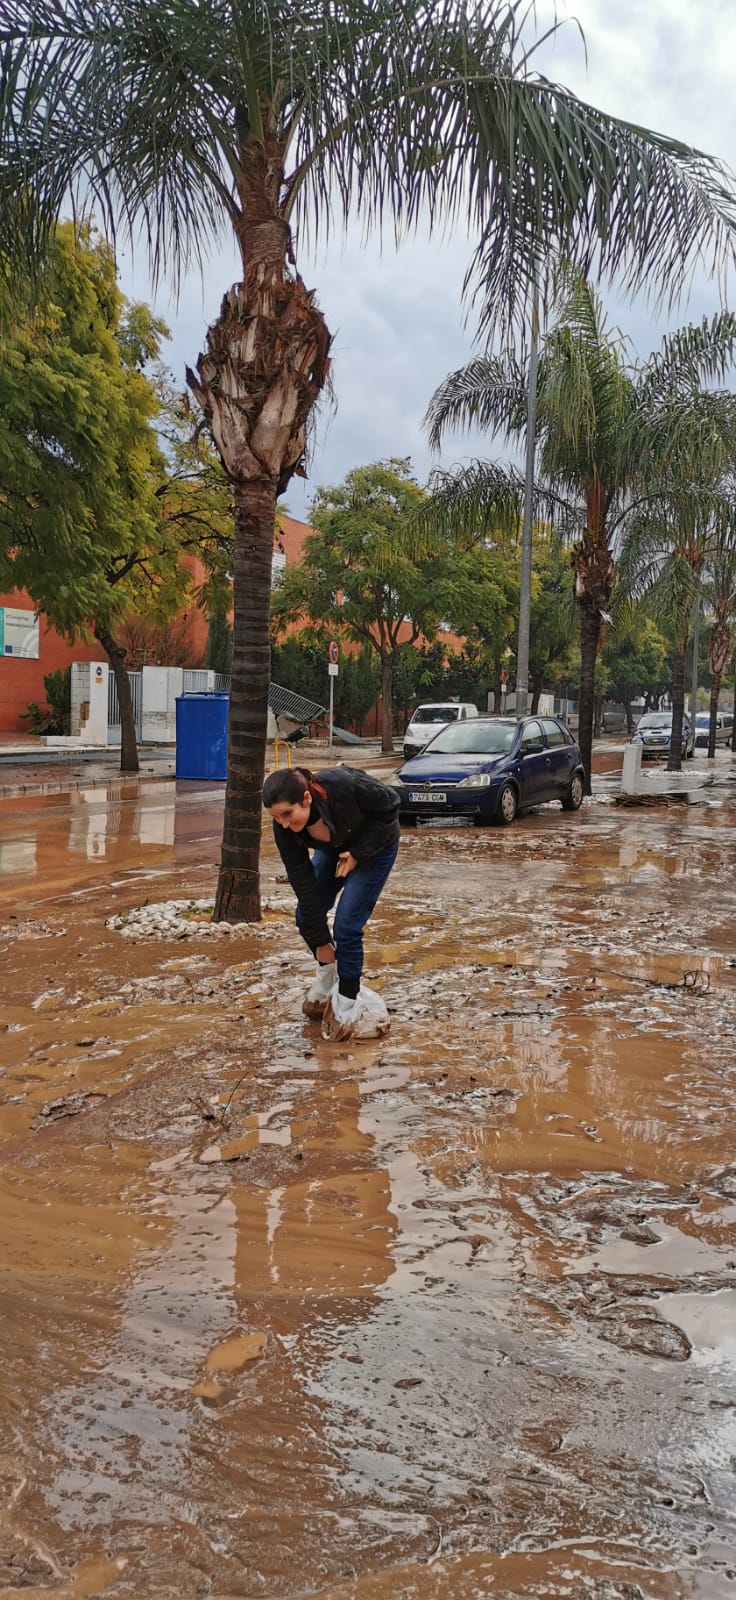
<point>488,393</point>
<point>143,112</point>
<point>483,501</point>
<point>691,356</point>
<point>475,502</point>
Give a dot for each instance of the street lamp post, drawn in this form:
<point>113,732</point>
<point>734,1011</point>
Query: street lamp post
<point>525,591</point>
<point>696,646</point>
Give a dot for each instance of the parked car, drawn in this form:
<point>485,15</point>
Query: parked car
<point>724,728</point>
<point>491,769</point>
<point>427,720</point>
<point>654,734</point>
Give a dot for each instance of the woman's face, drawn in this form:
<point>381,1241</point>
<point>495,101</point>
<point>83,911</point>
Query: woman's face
<point>293,814</point>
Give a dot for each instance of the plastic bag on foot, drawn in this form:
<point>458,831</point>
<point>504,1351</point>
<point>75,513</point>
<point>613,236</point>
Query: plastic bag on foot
<point>365,1017</point>
<point>319,991</point>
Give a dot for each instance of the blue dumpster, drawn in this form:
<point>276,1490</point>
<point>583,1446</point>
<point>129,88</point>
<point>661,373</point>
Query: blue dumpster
<point>201,735</point>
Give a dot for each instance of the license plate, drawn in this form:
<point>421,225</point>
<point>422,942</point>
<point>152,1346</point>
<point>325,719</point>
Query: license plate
<point>424,796</point>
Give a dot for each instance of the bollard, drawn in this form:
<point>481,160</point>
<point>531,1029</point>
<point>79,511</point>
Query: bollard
<point>281,744</point>
<point>631,769</point>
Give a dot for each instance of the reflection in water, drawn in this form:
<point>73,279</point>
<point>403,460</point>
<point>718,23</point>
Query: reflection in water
<point>17,856</point>
<point>102,825</point>
<point>123,1424</point>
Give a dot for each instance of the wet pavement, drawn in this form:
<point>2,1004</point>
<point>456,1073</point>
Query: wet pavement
<point>448,1315</point>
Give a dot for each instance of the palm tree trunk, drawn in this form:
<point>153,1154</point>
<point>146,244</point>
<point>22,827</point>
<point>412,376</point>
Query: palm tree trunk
<point>265,364</point>
<point>387,708</point>
<point>238,888</point>
<point>715,690</point>
<point>128,742</point>
<point>590,627</point>
<point>718,652</point>
<point>674,763</point>
<point>594,580</point>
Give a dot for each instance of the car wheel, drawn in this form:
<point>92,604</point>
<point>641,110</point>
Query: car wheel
<point>507,805</point>
<point>407,819</point>
<point>574,797</point>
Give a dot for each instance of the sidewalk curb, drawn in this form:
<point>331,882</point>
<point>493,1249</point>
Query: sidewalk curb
<point>66,785</point>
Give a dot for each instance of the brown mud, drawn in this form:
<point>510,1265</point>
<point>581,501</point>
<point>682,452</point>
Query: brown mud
<point>448,1315</point>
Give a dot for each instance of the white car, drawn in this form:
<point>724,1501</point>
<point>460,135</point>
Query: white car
<point>654,734</point>
<point>724,727</point>
<point>427,720</point>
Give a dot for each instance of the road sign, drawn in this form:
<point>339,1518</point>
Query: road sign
<point>333,669</point>
<point>333,653</point>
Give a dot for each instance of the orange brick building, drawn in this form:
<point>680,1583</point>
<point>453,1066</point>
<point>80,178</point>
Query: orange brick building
<point>21,676</point>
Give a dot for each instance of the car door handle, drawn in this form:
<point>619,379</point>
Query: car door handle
<point>548,762</point>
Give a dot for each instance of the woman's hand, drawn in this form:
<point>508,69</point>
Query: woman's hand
<point>345,864</point>
<point>325,954</point>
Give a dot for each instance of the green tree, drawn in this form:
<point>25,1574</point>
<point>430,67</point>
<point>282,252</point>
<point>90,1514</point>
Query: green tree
<point>219,654</point>
<point>358,574</point>
<point>721,596</point>
<point>609,433</point>
<point>80,521</point>
<point>55,716</point>
<point>634,658</point>
<point>260,116</point>
<point>356,688</point>
<point>668,555</point>
<point>552,615</point>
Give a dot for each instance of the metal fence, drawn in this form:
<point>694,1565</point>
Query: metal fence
<point>135,680</point>
<point>197,680</point>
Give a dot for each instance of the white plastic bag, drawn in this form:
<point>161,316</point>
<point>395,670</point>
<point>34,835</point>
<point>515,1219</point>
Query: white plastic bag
<point>319,992</point>
<point>365,1017</point>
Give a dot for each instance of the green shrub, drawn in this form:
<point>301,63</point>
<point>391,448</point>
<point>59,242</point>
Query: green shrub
<point>55,717</point>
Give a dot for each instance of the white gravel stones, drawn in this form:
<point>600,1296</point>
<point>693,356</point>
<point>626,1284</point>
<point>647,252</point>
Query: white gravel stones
<point>188,919</point>
<point>170,919</point>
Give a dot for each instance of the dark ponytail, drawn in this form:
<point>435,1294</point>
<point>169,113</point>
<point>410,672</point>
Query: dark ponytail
<point>286,786</point>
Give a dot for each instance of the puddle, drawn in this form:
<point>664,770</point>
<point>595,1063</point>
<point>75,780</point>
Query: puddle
<point>450,1313</point>
<point>709,1321</point>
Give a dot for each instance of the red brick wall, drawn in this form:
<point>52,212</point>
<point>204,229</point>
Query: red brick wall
<point>21,679</point>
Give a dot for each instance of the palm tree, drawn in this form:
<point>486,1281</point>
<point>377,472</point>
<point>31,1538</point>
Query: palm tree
<point>606,430</point>
<point>256,118</point>
<point>668,556</point>
<point>721,646</point>
<point>669,551</point>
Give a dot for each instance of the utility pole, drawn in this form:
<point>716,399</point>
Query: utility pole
<point>696,645</point>
<point>525,592</point>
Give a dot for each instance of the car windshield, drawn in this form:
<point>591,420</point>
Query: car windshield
<point>436,714</point>
<point>657,719</point>
<point>702,719</point>
<point>474,739</point>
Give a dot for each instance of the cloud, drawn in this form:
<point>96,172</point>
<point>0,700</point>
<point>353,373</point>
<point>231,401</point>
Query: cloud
<point>397,318</point>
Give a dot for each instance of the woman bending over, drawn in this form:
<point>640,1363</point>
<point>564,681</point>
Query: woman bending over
<point>350,824</point>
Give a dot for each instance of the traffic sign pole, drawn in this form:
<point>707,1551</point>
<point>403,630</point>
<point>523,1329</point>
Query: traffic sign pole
<point>333,657</point>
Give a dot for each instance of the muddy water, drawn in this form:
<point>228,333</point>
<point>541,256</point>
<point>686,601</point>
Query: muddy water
<point>448,1315</point>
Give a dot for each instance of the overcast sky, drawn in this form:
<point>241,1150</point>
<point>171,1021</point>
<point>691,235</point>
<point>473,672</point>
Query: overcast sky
<point>397,317</point>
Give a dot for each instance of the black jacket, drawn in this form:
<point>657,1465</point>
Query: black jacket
<point>362,815</point>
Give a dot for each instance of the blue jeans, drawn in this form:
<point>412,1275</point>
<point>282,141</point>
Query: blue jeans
<point>358,895</point>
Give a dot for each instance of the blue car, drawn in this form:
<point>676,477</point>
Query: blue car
<point>492,769</point>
